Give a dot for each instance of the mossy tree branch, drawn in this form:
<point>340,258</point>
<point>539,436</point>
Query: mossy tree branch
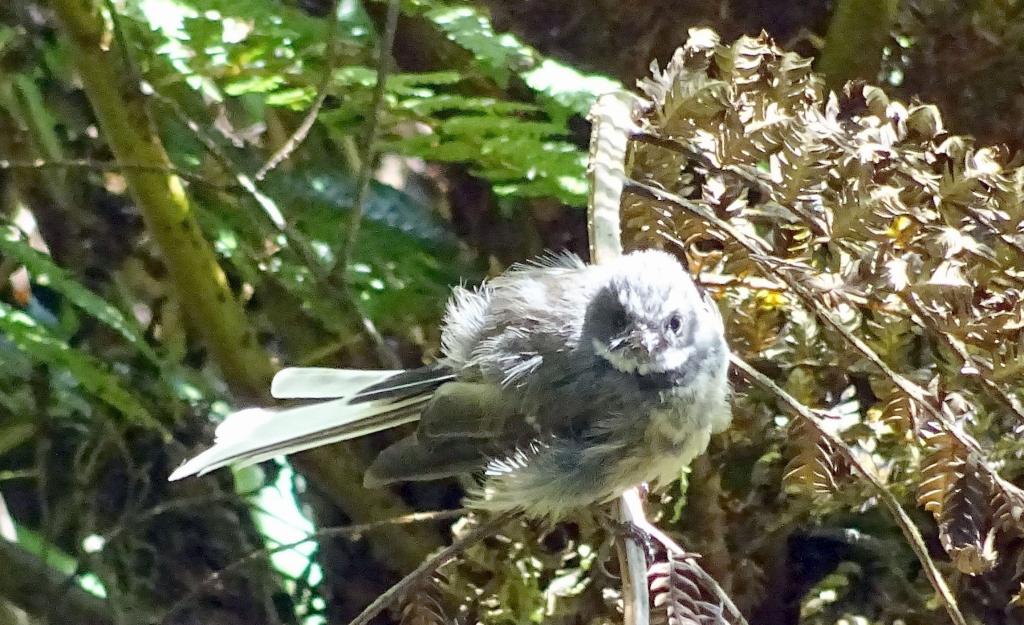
<point>198,279</point>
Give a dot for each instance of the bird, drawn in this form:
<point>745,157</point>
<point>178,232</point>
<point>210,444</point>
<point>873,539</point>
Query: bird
<point>560,385</point>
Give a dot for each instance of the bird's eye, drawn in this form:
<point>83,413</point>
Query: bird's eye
<point>675,324</point>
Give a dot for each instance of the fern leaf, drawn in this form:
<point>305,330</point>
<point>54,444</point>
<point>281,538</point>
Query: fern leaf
<point>901,414</point>
<point>816,467</point>
<point>1017,600</point>
<point>965,527</point>
<point>958,495</point>
<point>1008,507</point>
<point>37,343</point>
<point>681,595</point>
<point>425,605</point>
<point>940,469</point>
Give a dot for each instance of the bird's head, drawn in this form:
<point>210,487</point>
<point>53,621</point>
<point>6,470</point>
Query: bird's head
<point>648,317</point>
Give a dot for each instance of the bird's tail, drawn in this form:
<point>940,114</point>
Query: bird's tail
<point>361,402</point>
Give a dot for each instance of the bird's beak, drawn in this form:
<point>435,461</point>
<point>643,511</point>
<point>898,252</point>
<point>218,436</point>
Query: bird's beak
<point>651,342</point>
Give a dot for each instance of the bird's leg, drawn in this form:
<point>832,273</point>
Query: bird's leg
<point>643,531</point>
<point>640,536</point>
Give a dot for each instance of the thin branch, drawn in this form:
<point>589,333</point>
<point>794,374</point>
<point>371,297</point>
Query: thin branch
<point>161,198</point>
<point>173,505</point>
<point>910,531</point>
<point>122,42</point>
<point>326,532</point>
<point>370,138</point>
<point>429,566</point>
<point>297,137</point>
<point>244,181</point>
<point>26,574</point>
<point>721,280</point>
<point>128,126</point>
<point>982,370</point>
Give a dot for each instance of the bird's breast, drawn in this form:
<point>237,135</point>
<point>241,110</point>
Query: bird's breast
<point>677,431</point>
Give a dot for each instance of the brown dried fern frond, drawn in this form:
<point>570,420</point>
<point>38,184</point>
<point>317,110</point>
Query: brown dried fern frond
<point>815,467</point>
<point>902,241</point>
<point>965,526</point>
<point>901,414</point>
<point>680,594</point>
<point>958,493</point>
<point>1008,507</point>
<point>424,605</point>
<point>941,467</point>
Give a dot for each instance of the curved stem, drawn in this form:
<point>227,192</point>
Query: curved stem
<point>370,139</point>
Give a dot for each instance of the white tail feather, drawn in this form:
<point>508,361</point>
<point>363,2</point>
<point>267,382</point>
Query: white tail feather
<point>257,434</point>
<point>324,383</point>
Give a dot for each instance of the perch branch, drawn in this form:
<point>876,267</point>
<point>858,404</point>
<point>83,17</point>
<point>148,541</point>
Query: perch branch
<point>636,605</point>
<point>631,501</point>
<point>612,122</point>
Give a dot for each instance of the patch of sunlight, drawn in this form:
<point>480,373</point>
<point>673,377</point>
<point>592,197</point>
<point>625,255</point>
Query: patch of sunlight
<point>93,543</point>
<point>568,86</point>
<point>282,522</point>
<point>168,17</point>
<point>572,184</point>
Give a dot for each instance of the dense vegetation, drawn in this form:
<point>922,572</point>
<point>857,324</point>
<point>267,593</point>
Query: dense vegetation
<point>197,192</point>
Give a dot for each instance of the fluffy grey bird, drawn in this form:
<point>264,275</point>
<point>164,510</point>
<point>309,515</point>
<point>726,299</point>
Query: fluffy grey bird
<point>565,383</point>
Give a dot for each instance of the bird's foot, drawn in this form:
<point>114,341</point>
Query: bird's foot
<point>640,536</point>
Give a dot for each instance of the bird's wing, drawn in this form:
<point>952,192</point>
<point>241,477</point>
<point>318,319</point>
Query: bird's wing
<point>468,410</point>
<point>409,460</point>
<point>462,426</point>
<point>256,434</point>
